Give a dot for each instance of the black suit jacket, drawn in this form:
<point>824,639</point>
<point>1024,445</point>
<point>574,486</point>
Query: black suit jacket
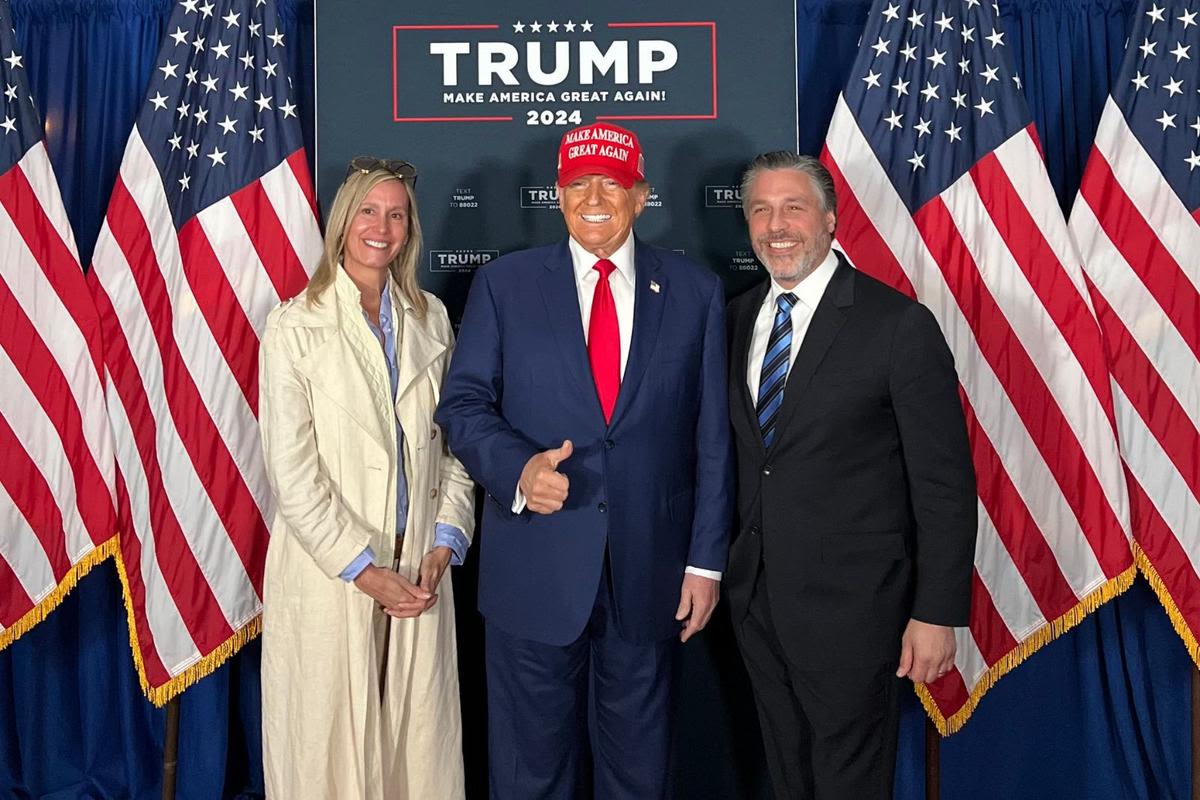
<point>863,511</point>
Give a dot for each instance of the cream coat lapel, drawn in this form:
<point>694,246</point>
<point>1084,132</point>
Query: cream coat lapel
<point>419,345</point>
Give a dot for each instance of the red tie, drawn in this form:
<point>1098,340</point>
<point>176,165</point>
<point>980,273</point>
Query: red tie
<point>604,341</point>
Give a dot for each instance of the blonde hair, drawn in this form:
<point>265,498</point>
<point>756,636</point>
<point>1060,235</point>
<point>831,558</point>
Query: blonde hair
<point>349,198</point>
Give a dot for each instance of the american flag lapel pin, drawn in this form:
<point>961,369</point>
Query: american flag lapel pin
<point>654,287</point>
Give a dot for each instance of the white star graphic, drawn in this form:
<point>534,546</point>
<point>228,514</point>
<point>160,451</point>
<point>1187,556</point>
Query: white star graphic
<point>180,36</point>
<point>1141,81</point>
<point>1173,87</point>
<point>881,47</point>
<point>222,50</point>
<point>189,5</point>
<point>569,27</point>
<point>239,91</point>
<point>938,59</point>
<point>11,91</point>
<point>996,39</point>
<point>960,100</point>
<point>586,26</point>
<point>964,66</point>
<point>1155,13</point>
<point>256,134</point>
<point>922,127</point>
<point>210,84</point>
<point>930,92</point>
<point>276,38</point>
<point>901,87</point>
<point>1196,126</point>
<point>198,45</point>
<point>984,107</point>
<point>269,68</point>
<point>184,110</point>
<point>1193,161</point>
<point>217,156</point>
<point>968,34</point>
<point>552,27</point>
<point>892,12</point>
<point>254,28</point>
<point>9,125</point>
<point>231,20</point>
<point>228,125</point>
<point>972,3</point>
<point>185,182</point>
<point>894,120</point>
<point>206,10</point>
<point>909,53</point>
<point>872,80</point>
<point>915,20</point>
<point>1166,120</point>
<point>168,70</point>
<point>1188,18</point>
<point>1017,80</point>
<point>945,23</point>
<point>263,102</point>
<point>535,27</point>
<point>175,141</point>
<point>159,100</point>
<point>288,109</point>
<point>518,27</point>
<point>191,76</point>
<point>193,150</point>
<point>917,161</point>
<point>989,75</point>
<point>1147,47</point>
<point>247,61</point>
<point>953,133</point>
<point>201,116</point>
<point>1180,52</point>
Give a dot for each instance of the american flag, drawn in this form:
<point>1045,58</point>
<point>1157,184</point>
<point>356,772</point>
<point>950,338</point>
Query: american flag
<point>1136,223</point>
<point>56,474</point>
<point>943,193</point>
<point>211,223</point>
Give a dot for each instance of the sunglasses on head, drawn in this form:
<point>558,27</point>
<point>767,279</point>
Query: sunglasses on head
<point>401,169</point>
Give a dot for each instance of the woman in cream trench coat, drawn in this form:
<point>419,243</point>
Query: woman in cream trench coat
<point>359,701</point>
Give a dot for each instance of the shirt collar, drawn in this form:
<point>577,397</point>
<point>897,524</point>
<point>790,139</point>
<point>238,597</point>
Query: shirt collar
<point>622,259</point>
<point>810,290</point>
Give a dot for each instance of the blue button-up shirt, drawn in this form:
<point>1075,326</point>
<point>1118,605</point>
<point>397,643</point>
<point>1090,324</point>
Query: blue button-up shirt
<point>444,535</point>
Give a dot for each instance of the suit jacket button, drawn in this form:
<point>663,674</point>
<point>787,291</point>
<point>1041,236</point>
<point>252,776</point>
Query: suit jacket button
<point>609,444</point>
<point>602,507</point>
<point>754,530</point>
<point>433,494</point>
<point>767,469</point>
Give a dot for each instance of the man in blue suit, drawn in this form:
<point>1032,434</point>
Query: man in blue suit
<point>587,395</point>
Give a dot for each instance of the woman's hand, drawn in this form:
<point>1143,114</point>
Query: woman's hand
<point>433,567</point>
<point>397,596</point>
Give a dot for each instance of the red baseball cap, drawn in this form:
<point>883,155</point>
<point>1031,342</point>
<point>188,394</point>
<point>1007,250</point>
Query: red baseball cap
<point>601,149</point>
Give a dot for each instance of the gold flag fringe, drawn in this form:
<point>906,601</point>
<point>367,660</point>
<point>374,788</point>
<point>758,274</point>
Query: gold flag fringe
<point>50,602</point>
<point>1168,603</point>
<point>1011,660</point>
<point>161,695</point>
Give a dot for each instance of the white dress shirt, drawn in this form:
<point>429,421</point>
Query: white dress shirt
<point>808,293</point>
<point>621,284</point>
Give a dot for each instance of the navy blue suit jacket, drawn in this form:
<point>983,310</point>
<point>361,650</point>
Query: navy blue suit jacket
<point>654,485</point>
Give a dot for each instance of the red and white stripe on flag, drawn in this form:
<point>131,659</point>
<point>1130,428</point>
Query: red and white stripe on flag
<point>1139,244</point>
<point>56,475</point>
<point>992,258</point>
<point>212,222</point>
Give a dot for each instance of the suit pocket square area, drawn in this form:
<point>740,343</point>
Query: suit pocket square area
<point>854,547</point>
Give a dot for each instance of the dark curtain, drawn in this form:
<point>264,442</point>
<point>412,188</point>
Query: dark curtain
<point>1101,713</point>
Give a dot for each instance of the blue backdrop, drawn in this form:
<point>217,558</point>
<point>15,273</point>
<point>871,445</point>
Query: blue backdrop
<point>1101,713</point>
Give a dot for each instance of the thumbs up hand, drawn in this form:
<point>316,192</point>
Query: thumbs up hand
<point>544,487</point>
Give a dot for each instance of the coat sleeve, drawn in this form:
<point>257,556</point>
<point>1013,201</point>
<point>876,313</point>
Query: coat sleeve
<point>470,411</point>
<point>714,455</point>
<point>937,459</point>
<point>456,489</point>
<point>305,497</point>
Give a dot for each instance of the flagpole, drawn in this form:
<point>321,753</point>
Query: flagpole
<point>1195,734</point>
<point>933,772</point>
<point>170,750</point>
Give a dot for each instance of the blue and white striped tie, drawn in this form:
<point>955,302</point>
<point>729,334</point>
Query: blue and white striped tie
<point>775,368</point>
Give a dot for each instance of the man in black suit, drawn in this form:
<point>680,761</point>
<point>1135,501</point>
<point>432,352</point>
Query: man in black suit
<point>856,494</point>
